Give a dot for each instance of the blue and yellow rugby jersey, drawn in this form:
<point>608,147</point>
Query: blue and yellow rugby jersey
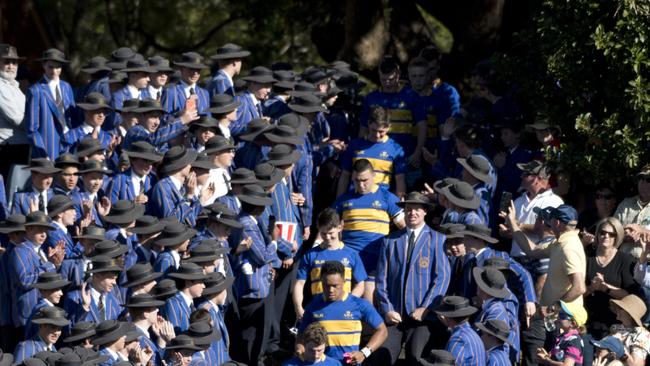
<point>404,110</point>
<point>366,220</point>
<point>342,320</point>
<point>311,264</point>
<point>386,156</point>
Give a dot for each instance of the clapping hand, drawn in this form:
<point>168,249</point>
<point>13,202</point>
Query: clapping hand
<point>103,206</point>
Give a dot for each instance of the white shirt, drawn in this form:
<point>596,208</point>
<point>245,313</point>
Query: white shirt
<point>60,226</point>
<point>48,302</point>
<point>153,91</point>
<point>135,92</point>
<point>524,213</point>
<point>417,231</point>
<point>228,77</point>
<point>136,181</point>
<point>177,183</point>
<point>225,131</point>
<point>86,128</point>
<point>54,85</point>
<point>177,258</point>
<point>44,194</point>
<point>39,251</point>
<point>220,178</point>
<point>188,300</point>
<point>12,112</point>
<point>187,87</point>
<point>256,102</point>
<point>96,295</point>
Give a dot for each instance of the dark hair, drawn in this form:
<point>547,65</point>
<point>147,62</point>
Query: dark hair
<point>200,315</point>
<point>314,333</point>
<point>332,268</point>
<point>388,65</point>
<point>361,166</point>
<point>378,115</point>
<point>328,219</point>
<point>419,62</point>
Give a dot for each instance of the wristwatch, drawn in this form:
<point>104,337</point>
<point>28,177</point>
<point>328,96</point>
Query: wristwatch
<point>366,352</point>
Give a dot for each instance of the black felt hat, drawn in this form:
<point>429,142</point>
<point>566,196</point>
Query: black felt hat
<point>149,105</point>
<point>94,101</point>
<point>144,150</point>
<point>147,225</point>
<point>88,146</point>
<point>129,106</point>
<point>50,281</point>
<point>53,54</point>
<point>491,281</point>
<point>217,282</point>
<point>124,212</point>
<point>243,176</point>
<point>66,159</point>
<point>38,218</point>
<point>260,74</point>
<point>165,289</point>
<point>191,60</point>
<point>80,331</point>
<point>223,103</point>
<point>92,232</point>
<point>138,65</point>
<point>94,166</point>
<point>59,203</point>
<point>174,233</point>
<point>189,271</point>
<point>139,274</point>
<point>13,223</point>
<point>207,251</point>
<point>455,307</point>
<point>255,195</point>
<point>102,264</point>
<point>217,144</point>
<point>160,64</point>
<point>177,158</point>
<point>255,128</point>
<point>306,104</point>
<point>230,51</point>
<point>95,64</point>
<point>110,331</point>
<point>268,175</point>
<point>42,165</point>
<point>51,315</point>
<point>144,301</point>
<point>284,135</point>
<point>283,154</point>
<point>416,198</point>
<point>9,52</point>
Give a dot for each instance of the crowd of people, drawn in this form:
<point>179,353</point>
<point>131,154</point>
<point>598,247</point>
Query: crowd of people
<point>202,212</point>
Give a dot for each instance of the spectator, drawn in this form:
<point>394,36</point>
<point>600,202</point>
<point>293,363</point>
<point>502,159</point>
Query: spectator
<point>607,350</point>
<point>636,338</point>
<point>604,203</point>
<point>464,344</point>
<point>313,341</point>
<point>51,321</point>
<point>568,346</point>
<point>13,140</point>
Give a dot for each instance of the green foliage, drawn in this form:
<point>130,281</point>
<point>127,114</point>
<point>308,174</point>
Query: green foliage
<point>585,64</point>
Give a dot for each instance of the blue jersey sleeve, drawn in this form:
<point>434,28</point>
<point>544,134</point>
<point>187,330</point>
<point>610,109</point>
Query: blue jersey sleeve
<point>346,157</point>
<point>305,266</point>
<point>369,315</point>
<point>392,200</point>
<point>399,163</point>
<point>358,270</point>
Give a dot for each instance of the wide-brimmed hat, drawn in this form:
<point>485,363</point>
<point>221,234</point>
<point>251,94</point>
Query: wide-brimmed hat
<point>9,52</point>
<point>255,195</point>
<point>461,194</point>
<point>439,357</point>
<point>296,121</point>
<point>143,150</point>
<point>349,81</point>
<point>183,341</point>
<point>88,146</point>
<point>223,215</point>
<point>535,167</point>
<point>223,103</point>
<point>477,166</point>
<point>230,51</point>
<point>12,224</point>
<point>217,282</point>
<point>455,307</point>
<point>191,60</point>
<point>119,57</point>
<point>138,65</point>
<point>217,144</point>
<point>633,306</point>
<point>284,135</point>
<point>139,274</point>
<point>50,281</point>
<point>108,248</point>
<point>286,80</point>
<point>177,158</point>
<point>160,64</point>
<point>203,333</point>
<point>33,361</point>
<point>124,212</point>
<point>53,54</point>
<point>38,218</point>
<point>491,281</point>
<point>94,166</point>
<point>283,154</point>
<point>260,74</point>
<point>205,122</point>
<point>304,88</point>
<point>267,174</point>
<point>147,225</point>
<point>80,331</point>
<point>495,327</point>
<point>208,250</point>
<point>243,176</point>
<point>306,104</point>
<point>204,161</point>
<point>95,64</point>
<point>42,165</point>
<point>316,76</point>
<point>110,331</point>
<point>102,264</point>
<point>165,289</point>
<point>416,198</point>
<point>58,204</point>
<point>149,105</point>
<point>94,101</point>
<point>52,315</point>
<point>255,128</point>
<point>452,231</point>
<point>66,159</point>
<point>442,183</point>
<point>144,301</point>
<point>129,106</point>
<point>480,231</point>
<point>92,232</point>
<point>189,271</point>
<point>174,233</point>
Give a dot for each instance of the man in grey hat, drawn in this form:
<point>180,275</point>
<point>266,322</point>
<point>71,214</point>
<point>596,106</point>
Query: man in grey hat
<point>13,140</point>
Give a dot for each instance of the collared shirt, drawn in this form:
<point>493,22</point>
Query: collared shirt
<point>256,102</point>
<point>228,77</point>
<point>225,130</point>
<point>137,182</point>
<point>220,178</point>
<point>525,215</point>
<point>417,231</point>
<point>86,128</point>
<point>39,251</point>
<point>187,87</point>
<point>44,194</point>
<point>566,256</point>
<point>96,295</point>
<point>153,91</point>
<point>177,183</point>
<point>177,258</point>
<point>114,355</point>
<point>632,211</point>
<point>60,226</point>
<point>135,92</point>
<point>188,300</point>
<point>53,85</point>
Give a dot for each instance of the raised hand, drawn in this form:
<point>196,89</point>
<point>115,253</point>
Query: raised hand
<point>244,245</point>
<point>104,206</point>
<point>86,298</point>
<point>33,205</point>
<point>191,184</point>
<point>207,192</point>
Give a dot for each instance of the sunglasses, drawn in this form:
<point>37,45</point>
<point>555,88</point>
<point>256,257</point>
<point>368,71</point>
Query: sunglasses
<point>604,196</point>
<point>607,233</point>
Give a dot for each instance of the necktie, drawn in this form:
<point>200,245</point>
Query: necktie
<point>192,307</point>
<point>42,256</point>
<point>409,250</point>
<point>100,307</point>
<point>192,92</point>
<point>41,202</point>
<point>59,104</point>
<point>158,95</point>
<point>259,109</point>
<point>141,186</point>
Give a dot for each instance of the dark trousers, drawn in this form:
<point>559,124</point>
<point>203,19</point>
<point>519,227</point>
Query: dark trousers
<point>532,338</point>
<point>283,281</point>
<point>415,336</point>
<point>255,328</point>
<point>13,154</point>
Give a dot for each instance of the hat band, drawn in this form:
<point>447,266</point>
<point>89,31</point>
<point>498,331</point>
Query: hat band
<point>456,193</point>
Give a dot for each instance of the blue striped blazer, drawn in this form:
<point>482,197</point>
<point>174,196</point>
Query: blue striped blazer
<point>4,207</point>
<point>146,255</point>
<point>466,346</point>
<point>31,329</point>
<point>6,290</point>
<point>20,204</point>
<point>249,154</point>
<point>275,107</point>
<point>73,270</point>
<point>85,196</point>
<point>73,305</point>
<point>177,312</point>
<point>230,200</point>
<point>159,138</point>
<point>166,200</point>
<point>284,210</point>
<point>258,259</point>
<point>25,266</point>
<point>302,181</point>
<point>173,99</point>
<point>494,308</point>
<point>246,112</point>
<point>121,186</point>
<point>165,264</point>
<point>145,341</point>
<point>117,101</point>
<point>130,258</point>
<point>72,138</point>
<point>497,356</point>
<point>111,359</point>
<point>54,236</point>
<point>28,348</point>
<point>221,84</point>
<point>521,282</point>
<point>220,348</point>
<point>43,127</point>
<point>423,283</point>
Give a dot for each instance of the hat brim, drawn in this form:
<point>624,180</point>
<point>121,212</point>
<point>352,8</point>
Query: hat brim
<point>150,229</point>
<point>149,109</point>
<point>498,293</point>
<point>289,85</point>
<point>191,65</point>
<point>50,285</point>
<point>90,151</point>
<point>483,328</point>
<point>142,280</point>
<point>243,181</point>
<point>150,304</point>
<point>82,335</point>
<point>105,269</point>
<point>187,159</point>
<point>116,334</point>
<point>485,178</point>
<point>275,178</point>
<point>231,55</point>
<point>92,70</point>
<point>188,276</point>
<point>225,109</point>
<point>295,140</point>
<point>302,93</point>
<point>186,235</point>
<point>129,217</point>
<point>146,70</point>
<point>47,226</point>
<point>94,170</point>
<point>290,159</point>
<point>43,170</point>
<point>59,322</point>
<point>469,310</point>
<point>306,109</point>
<point>260,79</point>
<point>166,294</point>
<point>145,156</point>
<point>204,165</point>
<point>472,204</point>
<point>228,222</point>
<point>162,69</point>
<point>219,149</point>
<point>485,238</point>
<point>251,136</point>
<point>255,201</point>
<point>58,210</point>
<point>93,107</point>
<point>61,60</point>
<point>11,229</point>
<point>116,65</point>
<point>426,205</point>
<point>220,287</point>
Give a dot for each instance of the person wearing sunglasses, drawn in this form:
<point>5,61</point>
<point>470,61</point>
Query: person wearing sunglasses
<point>636,209</point>
<point>602,206</point>
<point>610,275</point>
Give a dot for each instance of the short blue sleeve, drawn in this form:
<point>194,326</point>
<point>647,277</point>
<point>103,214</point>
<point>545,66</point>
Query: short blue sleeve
<point>369,315</point>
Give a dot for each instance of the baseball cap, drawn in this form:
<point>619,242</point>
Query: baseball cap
<point>544,213</point>
<point>611,344</point>
<point>575,311</point>
<point>566,214</point>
